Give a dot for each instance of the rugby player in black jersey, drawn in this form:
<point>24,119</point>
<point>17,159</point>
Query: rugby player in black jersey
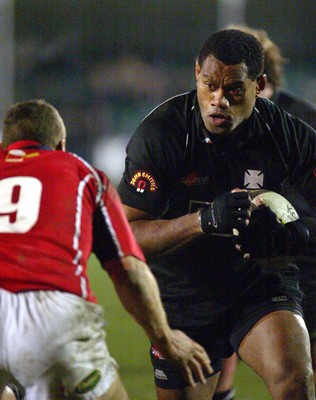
<point>188,168</point>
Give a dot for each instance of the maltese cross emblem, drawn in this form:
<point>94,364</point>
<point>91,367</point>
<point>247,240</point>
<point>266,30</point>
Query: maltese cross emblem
<point>253,179</point>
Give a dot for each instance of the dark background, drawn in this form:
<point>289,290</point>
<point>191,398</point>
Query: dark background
<point>104,63</point>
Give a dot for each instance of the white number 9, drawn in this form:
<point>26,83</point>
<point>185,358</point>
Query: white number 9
<point>20,199</point>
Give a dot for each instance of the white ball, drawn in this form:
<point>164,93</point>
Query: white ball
<point>281,207</point>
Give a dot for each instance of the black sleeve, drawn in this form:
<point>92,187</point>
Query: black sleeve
<point>151,165</point>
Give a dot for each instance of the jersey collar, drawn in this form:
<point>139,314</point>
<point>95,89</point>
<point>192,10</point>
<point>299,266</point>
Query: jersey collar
<point>27,144</point>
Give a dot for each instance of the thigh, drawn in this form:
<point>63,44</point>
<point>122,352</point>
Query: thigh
<point>274,343</point>
<point>199,392</point>
<point>59,345</point>
<point>277,289</point>
<point>48,386</point>
<point>226,379</point>
<point>115,392</point>
<point>88,370</point>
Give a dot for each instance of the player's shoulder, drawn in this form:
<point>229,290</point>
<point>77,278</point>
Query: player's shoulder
<point>268,114</point>
<point>69,157</point>
<point>266,106</point>
<point>173,109</point>
<point>74,161</point>
<point>168,119</point>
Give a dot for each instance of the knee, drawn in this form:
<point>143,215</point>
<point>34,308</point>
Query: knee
<point>296,382</point>
<point>8,394</point>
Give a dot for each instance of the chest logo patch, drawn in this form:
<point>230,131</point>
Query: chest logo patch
<point>142,180</point>
<point>253,179</point>
<point>193,179</point>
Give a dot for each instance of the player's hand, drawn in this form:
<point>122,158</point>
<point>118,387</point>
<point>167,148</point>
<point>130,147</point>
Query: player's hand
<point>266,236</point>
<point>189,356</point>
<point>228,211</point>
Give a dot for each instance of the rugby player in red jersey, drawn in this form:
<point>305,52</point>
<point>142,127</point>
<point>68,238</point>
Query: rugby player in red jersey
<point>55,210</point>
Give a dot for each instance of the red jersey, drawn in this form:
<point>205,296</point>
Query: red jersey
<point>55,209</point>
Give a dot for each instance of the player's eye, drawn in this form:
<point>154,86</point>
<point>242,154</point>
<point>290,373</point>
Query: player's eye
<point>236,90</point>
<point>211,86</point>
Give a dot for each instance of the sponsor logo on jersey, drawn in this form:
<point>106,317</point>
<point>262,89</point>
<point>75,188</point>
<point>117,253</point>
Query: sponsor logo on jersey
<point>193,179</point>
<point>253,179</point>
<point>89,383</point>
<point>142,181</point>
<point>17,155</point>
<point>159,374</point>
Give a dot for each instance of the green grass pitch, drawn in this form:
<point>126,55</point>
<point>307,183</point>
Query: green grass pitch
<point>130,347</point>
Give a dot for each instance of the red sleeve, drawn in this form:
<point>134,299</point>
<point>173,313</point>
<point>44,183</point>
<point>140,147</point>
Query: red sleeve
<point>113,236</point>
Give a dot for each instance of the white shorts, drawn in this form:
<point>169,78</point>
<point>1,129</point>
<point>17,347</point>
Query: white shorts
<point>53,344</point>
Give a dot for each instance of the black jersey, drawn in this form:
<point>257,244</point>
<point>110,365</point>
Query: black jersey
<point>174,167</point>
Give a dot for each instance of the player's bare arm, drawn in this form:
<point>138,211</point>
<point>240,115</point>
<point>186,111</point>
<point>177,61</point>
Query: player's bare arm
<point>158,236</point>
<point>135,285</point>
<point>227,211</point>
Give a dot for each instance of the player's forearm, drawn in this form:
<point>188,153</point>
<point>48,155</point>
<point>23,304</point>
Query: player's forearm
<point>139,294</point>
<point>157,237</point>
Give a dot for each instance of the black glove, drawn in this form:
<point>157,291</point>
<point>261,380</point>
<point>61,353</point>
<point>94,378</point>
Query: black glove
<point>228,211</point>
<point>266,236</point>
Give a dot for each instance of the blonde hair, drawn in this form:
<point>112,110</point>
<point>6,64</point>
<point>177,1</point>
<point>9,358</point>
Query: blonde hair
<point>33,120</point>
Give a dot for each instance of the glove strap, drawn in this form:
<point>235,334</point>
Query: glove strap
<point>207,219</point>
<point>200,221</point>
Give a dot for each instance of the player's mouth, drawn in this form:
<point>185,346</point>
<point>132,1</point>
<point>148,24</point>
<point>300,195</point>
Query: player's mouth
<point>219,119</point>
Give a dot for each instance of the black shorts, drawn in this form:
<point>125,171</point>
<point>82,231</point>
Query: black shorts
<point>169,377</point>
<point>224,336</point>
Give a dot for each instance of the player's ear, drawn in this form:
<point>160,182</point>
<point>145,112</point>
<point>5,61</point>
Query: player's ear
<point>197,69</point>
<point>261,82</point>
<point>61,145</point>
